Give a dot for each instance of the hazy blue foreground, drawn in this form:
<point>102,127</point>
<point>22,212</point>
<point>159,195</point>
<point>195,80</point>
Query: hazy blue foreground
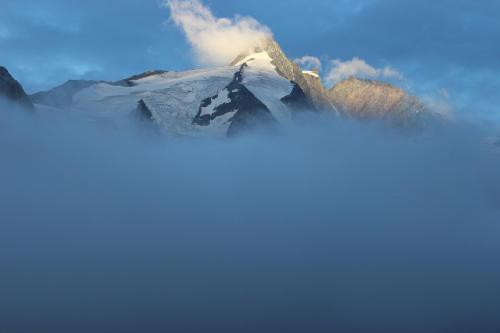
<point>338,227</point>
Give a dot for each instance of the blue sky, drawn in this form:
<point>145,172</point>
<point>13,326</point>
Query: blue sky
<point>445,49</point>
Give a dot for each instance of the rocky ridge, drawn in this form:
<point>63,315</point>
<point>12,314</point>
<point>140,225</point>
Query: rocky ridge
<point>12,91</point>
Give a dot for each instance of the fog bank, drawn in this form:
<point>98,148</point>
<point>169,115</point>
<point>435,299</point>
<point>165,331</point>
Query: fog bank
<point>334,226</point>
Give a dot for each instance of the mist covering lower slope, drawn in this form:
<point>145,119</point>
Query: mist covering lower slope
<point>347,226</point>
<point>114,219</point>
<point>335,225</point>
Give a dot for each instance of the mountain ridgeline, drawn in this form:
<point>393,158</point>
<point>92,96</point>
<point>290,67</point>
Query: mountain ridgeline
<point>260,89</point>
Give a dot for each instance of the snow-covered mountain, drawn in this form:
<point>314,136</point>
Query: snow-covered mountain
<point>252,92</point>
<point>261,88</point>
<point>12,91</point>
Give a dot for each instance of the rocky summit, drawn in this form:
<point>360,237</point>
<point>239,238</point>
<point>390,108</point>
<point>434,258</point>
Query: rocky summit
<point>310,84</point>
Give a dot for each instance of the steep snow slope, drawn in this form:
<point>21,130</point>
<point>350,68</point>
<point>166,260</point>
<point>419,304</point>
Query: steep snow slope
<point>262,79</point>
<point>257,96</point>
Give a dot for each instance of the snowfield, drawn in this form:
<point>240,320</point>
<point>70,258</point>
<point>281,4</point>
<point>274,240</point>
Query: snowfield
<point>174,98</point>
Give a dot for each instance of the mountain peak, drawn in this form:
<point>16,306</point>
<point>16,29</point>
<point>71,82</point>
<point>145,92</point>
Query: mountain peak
<point>259,60</point>
<point>262,47</point>
<point>310,84</point>
<point>3,71</point>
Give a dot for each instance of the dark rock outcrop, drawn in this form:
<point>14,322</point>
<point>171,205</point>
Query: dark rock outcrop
<point>142,112</point>
<point>248,112</point>
<point>129,82</point>
<point>144,120</point>
<point>297,101</point>
<point>12,91</point>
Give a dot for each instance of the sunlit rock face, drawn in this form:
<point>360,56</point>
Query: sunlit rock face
<point>12,91</point>
<point>318,93</point>
<point>369,99</point>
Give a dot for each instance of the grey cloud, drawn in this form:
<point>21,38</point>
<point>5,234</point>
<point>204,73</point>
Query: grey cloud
<point>56,40</point>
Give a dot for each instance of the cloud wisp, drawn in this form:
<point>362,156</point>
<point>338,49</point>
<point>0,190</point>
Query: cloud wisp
<point>215,41</point>
<point>337,70</point>
<point>309,62</point>
<point>357,67</point>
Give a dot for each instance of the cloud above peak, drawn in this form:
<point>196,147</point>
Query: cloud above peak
<point>215,41</point>
<point>357,67</point>
<point>308,62</point>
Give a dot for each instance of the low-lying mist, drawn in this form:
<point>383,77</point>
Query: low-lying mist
<point>333,226</point>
